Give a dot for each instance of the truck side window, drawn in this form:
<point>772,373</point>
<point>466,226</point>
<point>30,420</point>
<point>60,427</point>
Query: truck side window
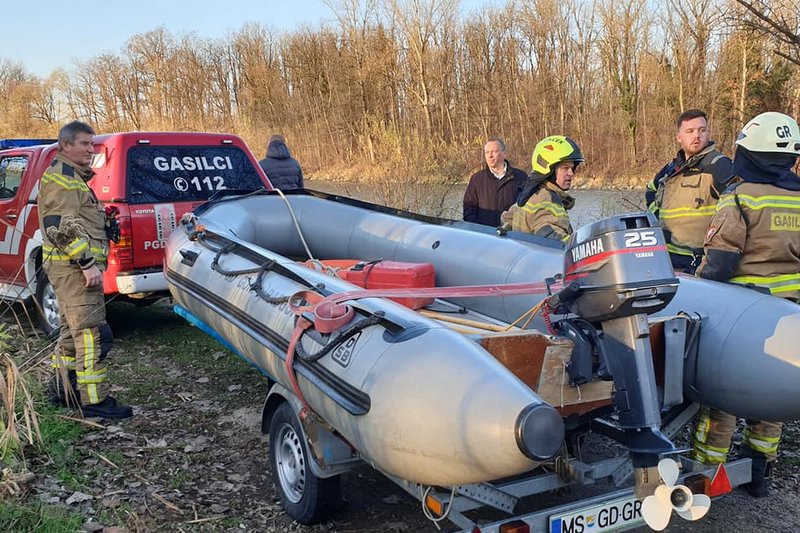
<point>11,170</point>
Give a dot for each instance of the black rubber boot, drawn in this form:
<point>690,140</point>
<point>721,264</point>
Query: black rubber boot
<point>759,486</point>
<point>108,408</point>
<point>59,396</point>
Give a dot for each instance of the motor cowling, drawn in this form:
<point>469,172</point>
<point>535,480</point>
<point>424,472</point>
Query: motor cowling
<point>619,267</point>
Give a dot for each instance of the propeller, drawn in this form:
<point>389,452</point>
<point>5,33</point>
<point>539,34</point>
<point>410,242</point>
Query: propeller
<point>657,509</point>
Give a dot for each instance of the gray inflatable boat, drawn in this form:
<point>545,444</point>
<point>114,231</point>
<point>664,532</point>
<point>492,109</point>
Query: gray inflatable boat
<point>454,393</point>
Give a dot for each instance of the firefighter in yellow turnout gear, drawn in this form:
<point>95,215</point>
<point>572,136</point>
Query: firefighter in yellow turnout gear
<point>754,240</point>
<point>683,194</point>
<point>542,205</point>
<point>74,253</point>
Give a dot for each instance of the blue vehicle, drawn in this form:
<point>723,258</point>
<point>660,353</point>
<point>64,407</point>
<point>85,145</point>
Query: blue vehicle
<point>21,143</point>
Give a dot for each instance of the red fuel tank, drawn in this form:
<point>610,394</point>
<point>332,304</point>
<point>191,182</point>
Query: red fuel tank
<point>385,275</point>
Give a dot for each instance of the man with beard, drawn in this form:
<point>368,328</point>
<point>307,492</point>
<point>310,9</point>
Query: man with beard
<point>683,194</point>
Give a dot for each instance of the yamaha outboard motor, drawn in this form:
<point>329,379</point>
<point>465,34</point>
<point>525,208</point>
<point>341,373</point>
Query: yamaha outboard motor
<point>616,272</point>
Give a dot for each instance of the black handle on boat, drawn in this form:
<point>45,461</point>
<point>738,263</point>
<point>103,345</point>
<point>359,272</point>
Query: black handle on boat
<point>568,293</point>
<point>189,257</point>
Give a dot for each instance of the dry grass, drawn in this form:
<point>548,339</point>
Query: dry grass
<point>19,421</point>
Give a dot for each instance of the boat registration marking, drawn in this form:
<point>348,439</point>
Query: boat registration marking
<point>604,517</point>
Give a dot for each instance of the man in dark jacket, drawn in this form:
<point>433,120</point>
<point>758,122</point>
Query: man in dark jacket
<point>281,168</point>
<point>494,188</point>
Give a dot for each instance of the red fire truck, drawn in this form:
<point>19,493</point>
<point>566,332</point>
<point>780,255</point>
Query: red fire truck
<point>151,178</point>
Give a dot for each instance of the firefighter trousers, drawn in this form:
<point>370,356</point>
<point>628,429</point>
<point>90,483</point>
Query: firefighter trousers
<point>84,339</point>
<point>713,432</point>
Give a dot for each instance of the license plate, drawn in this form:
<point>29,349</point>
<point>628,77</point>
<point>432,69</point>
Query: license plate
<point>608,516</point>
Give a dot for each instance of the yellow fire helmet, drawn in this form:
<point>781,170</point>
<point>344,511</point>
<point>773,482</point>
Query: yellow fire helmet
<point>771,132</point>
<point>554,150</point>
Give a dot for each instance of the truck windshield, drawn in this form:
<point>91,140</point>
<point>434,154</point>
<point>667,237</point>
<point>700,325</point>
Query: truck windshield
<point>158,174</point>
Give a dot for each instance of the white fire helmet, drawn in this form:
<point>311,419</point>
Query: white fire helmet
<point>771,132</point>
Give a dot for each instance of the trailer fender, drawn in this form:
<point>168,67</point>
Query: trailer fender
<point>329,455</point>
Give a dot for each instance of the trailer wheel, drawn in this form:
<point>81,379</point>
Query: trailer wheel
<point>305,497</point>
<point>47,306</point>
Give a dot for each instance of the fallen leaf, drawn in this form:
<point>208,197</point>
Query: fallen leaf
<point>78,497</point>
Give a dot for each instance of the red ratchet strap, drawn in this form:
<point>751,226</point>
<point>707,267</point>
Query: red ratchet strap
<point>327,319</point>
<point>330,314</point>
<point>467,291</point>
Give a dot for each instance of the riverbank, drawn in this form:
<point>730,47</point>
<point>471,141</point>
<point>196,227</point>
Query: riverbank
<point>457,174</point>
<point>445,200</point>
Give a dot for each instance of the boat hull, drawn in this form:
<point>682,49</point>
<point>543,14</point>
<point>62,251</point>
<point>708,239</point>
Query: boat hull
<point>747,360</point>
<point>418,400</point>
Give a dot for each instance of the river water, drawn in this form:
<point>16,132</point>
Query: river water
<point>445,200</point>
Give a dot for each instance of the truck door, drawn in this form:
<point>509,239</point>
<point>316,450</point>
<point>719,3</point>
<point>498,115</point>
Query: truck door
<point>15,210</point>
<point>164,182</point>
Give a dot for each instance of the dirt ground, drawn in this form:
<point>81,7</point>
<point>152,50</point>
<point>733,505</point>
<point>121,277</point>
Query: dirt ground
<point>193,458</point>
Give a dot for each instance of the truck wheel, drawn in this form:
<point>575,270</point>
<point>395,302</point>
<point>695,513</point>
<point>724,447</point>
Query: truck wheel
<point>305,497</point>
<point>47,306</point>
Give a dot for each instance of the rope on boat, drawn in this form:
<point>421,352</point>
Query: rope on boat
<point>296,224</point>
<point>258,288</point>
<point>530,313</point>
<point>228,248</point>
<point>328,314</point>
<point>337,339</point>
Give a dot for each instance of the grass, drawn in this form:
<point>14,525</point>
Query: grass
<point>180,479</point>
<point>38,518</point>
<point>157,355</point>
<point>59,437</point>
<point>118,515</point>
<point>58,434</point>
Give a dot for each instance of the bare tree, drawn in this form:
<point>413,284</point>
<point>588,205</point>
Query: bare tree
<point>623,39</point>
<point>778,19</point>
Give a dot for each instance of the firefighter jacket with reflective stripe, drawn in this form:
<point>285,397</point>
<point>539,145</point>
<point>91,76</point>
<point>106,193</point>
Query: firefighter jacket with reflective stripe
<point>544,214</point>
<point>754,239</point>
<point>70,216</point>
<point>683,195</point>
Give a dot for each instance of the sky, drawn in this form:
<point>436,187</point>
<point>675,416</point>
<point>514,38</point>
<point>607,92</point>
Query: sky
<point>44,35</point>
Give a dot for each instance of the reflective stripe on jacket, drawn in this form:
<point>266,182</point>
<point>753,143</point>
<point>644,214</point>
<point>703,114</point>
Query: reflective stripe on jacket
<point>683,195</point>
<point>65,197</point>
<point>544,214</point>
<point>761,224</point>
